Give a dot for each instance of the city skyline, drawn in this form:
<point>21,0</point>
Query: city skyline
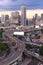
<point>16,4</point>
<point>29,13</point>
<point>21,32</point>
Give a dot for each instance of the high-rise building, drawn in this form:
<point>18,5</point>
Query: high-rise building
<point>23,15</point>
<point>3,19</point>
<point>6,17</point>
<point>0,19</point>
<point>41,16</point>
<point>15,17</point>
<point>36,15</point>
<point>7,20</point>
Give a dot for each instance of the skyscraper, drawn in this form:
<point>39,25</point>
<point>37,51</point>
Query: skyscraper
<point>42,16</point>
<point>15,17</point>
<point>6,17</point>
<point>23,15</point>
<point>3,19</point>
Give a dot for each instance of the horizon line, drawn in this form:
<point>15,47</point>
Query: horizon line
<point>18,9</point>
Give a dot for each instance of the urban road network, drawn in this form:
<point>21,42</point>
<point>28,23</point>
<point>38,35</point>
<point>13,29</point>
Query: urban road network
<point>21,47</point>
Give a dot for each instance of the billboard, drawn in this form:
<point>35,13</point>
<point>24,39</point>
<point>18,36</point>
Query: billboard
<point>19,33</point>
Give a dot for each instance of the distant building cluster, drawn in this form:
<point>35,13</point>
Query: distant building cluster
<point>17,19</point>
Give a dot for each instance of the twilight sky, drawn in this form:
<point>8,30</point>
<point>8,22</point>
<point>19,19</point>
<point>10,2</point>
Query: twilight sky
<point>16,4</point>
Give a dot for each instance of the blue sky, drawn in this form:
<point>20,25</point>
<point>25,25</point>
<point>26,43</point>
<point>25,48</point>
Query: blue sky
<point>16,4</point>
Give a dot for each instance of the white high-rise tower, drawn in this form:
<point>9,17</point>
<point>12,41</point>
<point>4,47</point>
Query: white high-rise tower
<point>23,15</point>
<point>3,19</point>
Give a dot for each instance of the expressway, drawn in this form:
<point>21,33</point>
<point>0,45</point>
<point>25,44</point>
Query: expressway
<point>30,29</point>
<point>21,48</point>
<point>22,29</point>
<point>15,56</point>
<point>39,58</point>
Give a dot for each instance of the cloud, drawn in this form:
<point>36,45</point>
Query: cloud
<point>16,4</point>
<point>4,2</point>
<point>13,2</point>
<point>10,4</point>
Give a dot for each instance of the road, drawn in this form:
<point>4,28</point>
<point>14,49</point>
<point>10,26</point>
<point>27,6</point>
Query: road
<point>33,55</point>
<point>16,55</point>
<point>26,61</point>
<point>35,44</point>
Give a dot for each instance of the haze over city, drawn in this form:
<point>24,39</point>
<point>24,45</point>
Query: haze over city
<point>33,6</point>
<point>29,13</point>
<point>21,32</point>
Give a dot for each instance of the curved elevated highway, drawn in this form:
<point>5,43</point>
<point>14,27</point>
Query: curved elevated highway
<point>33,55</point>
<point>20,50</point>
<point>15,56</point>
<point>29,53</point>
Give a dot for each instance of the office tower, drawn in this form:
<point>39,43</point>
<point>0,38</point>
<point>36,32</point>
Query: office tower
<point>36,15</point>
<point>0,19</point>
<point>6,17</point>
<point>30,22</point>
<point>27,22</point>
<point>7,21</point>
<point>34,21</point>
<point>3,19</point>
<point>41,16</point>
<point>15,17</point>
<point>23,15</point>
